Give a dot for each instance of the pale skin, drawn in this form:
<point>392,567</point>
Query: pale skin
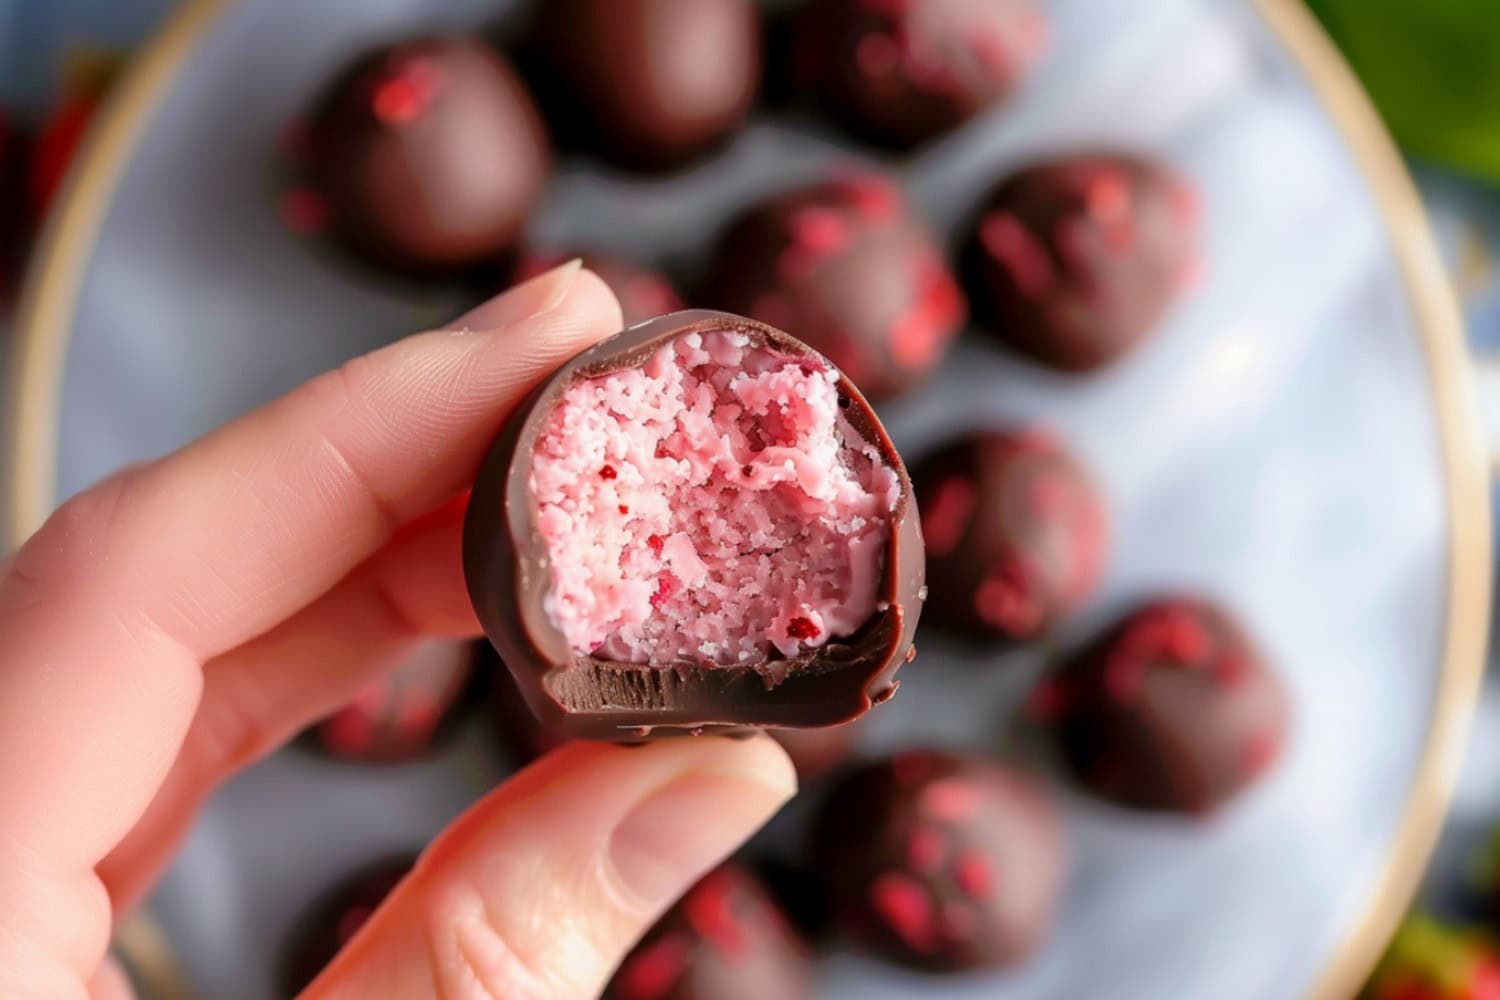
<point>184,618</point>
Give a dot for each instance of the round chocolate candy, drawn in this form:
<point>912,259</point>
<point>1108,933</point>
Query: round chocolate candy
<point>335,917</point>
<point>402,716</point>
<point>849,268</point>
<point>643,293</point>
<point>903,71</point>
<point>698,523</point>
<point>1073,262</point>
<point>1014,530</point>
<point>725,940</point>
<point>1170,709</point>
<point>942,862</point>
<point>651,84</point>
<point>428,156</point>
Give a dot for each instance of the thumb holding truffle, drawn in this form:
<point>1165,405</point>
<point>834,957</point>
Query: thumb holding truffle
<point>540,889</point>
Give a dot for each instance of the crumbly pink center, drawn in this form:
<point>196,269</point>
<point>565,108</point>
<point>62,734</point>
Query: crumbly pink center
<point>711,506</point>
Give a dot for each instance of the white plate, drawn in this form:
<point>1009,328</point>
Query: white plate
<point>1293,439</point>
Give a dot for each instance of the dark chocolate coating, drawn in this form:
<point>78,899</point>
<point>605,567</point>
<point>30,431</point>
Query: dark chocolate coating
<point>1170,709</point>
<point>899,72</point>
<point>1014,530</point>
<point>942,862</point>
<point>847,267</point>
<point>403,716</point>
<point>725,940</point>
<point>643,292</point>
<point>505,566</point>
<point>1073,262</point>
<point>429,156</point>
<point>651,84</point>
<point>334,918</point>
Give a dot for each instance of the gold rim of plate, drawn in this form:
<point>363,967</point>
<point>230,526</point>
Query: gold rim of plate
<point>39,353</point>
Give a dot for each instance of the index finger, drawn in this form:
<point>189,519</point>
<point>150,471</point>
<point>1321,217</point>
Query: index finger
<point>110,609</point>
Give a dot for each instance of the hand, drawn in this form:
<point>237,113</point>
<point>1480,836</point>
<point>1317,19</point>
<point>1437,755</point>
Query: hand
<point>185,617</point>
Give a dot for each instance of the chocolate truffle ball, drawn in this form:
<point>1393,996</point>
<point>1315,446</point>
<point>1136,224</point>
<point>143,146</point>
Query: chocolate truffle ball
<point>1171,709</point>
<point>942,862</point>
<point>698,523</point>
<point>428,156</point>
<point>651,84</point>
<point>815,752</point>
<point>1429,959</point>
<point>725,940</point>
<point>1073,262</point>
<point>902,71</point>
<point>1014,530</point>
<point>643,292</point>
<point>403,716</point>
<point>847,267</point>
<point>333,920</point>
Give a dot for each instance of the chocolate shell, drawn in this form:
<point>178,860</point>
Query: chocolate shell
<point>335,917</point>
<point>583,696</point>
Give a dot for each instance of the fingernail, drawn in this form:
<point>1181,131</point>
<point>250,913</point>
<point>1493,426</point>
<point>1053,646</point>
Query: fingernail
<point>688,825</point>
<point>531,297</point>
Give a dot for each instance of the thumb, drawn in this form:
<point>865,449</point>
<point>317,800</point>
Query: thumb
<point>537,892</point>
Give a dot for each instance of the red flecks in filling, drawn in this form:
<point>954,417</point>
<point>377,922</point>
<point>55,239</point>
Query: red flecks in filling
<point>946,516</point>
<point>904,905</point>
<point>709,910</point>
<point>608,472</point>
<point>975,874</point>
<point>1004,599</point>
<point>925,850</point>
<point>951,800</point>
<point>400,98</point>
<point>753,503</point>
<point>1014,247</point>
<point>304,211</point>
<point>653,970</point>
<point>623,509</point>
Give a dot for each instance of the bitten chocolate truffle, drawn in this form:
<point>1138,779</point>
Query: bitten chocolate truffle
<point>725,940</point>
<point>651,84</point>
<point>1014,530</point>
<point>942,862</point>
<point>698,523</point>
<point>428,156</point>
<point>1073,262</point>
<point>333,920</point>
<point>1171,709</point>
<point>899,72</point>
<point>643,293</point>
<point>847,267</point>
<point>403,716</point>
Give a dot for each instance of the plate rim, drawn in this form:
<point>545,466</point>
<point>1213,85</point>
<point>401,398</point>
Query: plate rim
<point>43,327</point>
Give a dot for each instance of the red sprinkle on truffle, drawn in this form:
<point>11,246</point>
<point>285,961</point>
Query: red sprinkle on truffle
<point>401,98</point>
<point>1003,599</point>
<point>906,908</point>
<point>946,516</point>
<point>710,912</point>
<point>950,801</point>
<point>1018,251</point>
<point>819,230</point>
<point>975,874</point>
<point>652,971</point>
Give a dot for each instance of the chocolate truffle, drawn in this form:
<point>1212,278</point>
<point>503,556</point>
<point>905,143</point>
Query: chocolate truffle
<point>428,156</point>
<point>698,523</point>
<point>847,267</point>
<point>942,862</point>
<point>651,84</point>
<point>402,716</point>
<point>899,72</point>
<point>643,292</point>
<point>333,920</point>
<point>1015,533</point>
<point>1170,709</point>
<point>725,940</point>
<point>1073,262</point>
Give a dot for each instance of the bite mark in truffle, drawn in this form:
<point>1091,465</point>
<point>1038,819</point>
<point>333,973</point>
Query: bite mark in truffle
<point>766,567</point>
